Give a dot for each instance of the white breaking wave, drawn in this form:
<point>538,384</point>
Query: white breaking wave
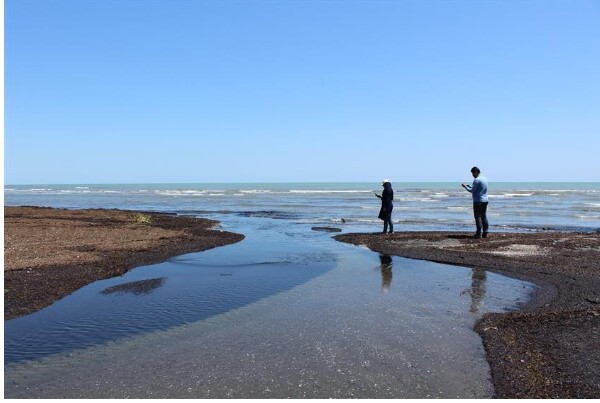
<point>509,195</point>
<point>330,191</point>
<point>180,192</point>
<point>587,217</point>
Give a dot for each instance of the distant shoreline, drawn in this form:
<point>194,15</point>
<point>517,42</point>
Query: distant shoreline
<point>549,349</point>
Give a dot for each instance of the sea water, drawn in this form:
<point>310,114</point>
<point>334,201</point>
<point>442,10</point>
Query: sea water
<point>417,206</point>
<point>287,312</point>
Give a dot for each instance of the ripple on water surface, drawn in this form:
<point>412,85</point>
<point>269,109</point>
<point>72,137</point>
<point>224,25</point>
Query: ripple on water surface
<point>185,292</point>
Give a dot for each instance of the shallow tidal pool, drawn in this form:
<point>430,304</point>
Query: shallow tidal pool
<point>288,312</point>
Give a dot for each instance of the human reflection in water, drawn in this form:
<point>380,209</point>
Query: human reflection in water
<point>386,271</point>
<point>478,277</point>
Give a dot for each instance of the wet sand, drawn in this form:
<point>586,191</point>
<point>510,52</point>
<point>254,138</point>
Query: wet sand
<point>50,253</point>
<point>550,348</point>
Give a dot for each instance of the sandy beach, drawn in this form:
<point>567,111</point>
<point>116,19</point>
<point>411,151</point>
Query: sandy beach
<point>50,253</point>
<point>547,349</point>
<point>550,348</point>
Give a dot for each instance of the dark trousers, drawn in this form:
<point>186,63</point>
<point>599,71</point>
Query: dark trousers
<point>387,220</point>
<point>480,212</point>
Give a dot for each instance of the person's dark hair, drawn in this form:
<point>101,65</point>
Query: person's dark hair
<point>475,169</point>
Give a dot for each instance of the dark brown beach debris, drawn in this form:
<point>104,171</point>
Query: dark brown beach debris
<point>543,354</point>
<point>549,349</point>
<point>49,253</point>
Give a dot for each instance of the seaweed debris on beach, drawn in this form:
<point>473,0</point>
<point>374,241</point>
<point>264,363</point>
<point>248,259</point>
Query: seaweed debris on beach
<point>550,348</point>
<point>50,253</point>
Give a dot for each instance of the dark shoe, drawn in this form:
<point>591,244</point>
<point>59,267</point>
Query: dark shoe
<point>476,236</point>
<point>484,235</point>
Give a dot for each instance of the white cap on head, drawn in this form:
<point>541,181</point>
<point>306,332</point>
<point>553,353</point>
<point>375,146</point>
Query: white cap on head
<point>384,181</point>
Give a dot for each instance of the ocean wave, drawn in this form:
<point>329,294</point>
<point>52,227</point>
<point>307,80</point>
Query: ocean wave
<point>367,220</point>
<point>509,195</point>
<point>323,220</point>
<point>328,191</point>
<point>424,208</point>
<point>180,192</point>
<point>33,190</point>
<point>71,191</point>
<point>418,199</point>
<point>562,191</point>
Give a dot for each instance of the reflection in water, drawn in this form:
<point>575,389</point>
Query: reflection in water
<point>386,271</point>
<point>135,287</point>
<point>478,278</point>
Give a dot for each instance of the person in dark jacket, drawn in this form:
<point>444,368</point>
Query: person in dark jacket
<point>386,205</point>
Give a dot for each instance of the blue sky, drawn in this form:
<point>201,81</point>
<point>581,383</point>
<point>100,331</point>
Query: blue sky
<point>118,91</point>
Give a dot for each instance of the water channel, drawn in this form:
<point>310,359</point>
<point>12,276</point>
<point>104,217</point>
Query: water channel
<point>286,313</point>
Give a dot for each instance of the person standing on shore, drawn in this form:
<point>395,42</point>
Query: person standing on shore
<point>479,190</point>
<point>386,205</point>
